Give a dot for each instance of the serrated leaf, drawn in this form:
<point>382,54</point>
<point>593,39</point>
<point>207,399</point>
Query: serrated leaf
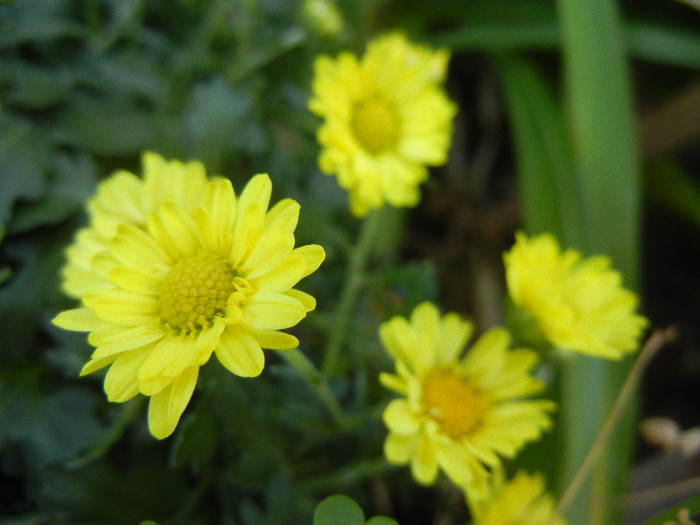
<point>105,125</point>
<point>338,510</point>
<point>24,159</point>
<point>72,183</point>
<point>219,122</point>
<point>32,86</point>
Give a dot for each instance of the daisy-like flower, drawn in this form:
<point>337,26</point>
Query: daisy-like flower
<point>174,267</point>
<point>578,304</point>
<point>386,117</point>
<point>521,501</point>
<point>457,413</point>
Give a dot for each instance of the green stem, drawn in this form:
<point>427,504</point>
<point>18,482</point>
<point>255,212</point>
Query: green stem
<point>354,280</point>
<point>317,382</point>
<point>655,342</point>
<point>347,475</point>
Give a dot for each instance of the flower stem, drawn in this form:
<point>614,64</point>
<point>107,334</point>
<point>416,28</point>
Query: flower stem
<point>317,382</point>
<point>655,342</point>
<point>353,283</point>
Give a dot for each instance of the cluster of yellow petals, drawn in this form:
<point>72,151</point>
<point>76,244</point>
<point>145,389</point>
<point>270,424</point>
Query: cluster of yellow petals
<point>386,117</point>
<point>457,413</point>
<point>520,501</point>
<point>578,303</point>
<point>174,267</point>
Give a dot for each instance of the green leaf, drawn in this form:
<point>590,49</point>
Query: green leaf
<point>24,159</point>
<point>72,183</point>
<point>338,510</point>
<point>36,20</point>
<point>196,441</point>
<point>547,185</point>
<point>219,122</point>
<point>32,86</point>
<point>673,188</point>
<point>105,124</point>
<point>603,137</point>
<point>518,26</point>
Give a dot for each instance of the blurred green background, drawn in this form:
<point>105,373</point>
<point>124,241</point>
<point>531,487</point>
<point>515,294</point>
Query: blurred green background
<point>87,85</point>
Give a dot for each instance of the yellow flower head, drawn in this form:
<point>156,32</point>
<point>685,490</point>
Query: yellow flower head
<point>458,413</point>
<point>578,304</point>
<point>173,267</point>
<point>386,117</point>
<point>521,501</point>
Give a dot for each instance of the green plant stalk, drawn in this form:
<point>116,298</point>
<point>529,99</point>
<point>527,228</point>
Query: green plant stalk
<point>353,284</point>
<point>317,382</point>
<point>602,132</point>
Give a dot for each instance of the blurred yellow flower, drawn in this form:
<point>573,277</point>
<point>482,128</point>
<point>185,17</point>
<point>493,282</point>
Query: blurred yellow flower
<point>173,267</point>
<point>386,117</point>
<point>459,414</point>
<point>579,304</point>
<point>521,501</point>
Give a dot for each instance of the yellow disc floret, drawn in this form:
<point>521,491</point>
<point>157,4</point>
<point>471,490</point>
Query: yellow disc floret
<point>452,403</point>
<point>375,125</point>
<point>194,292</point>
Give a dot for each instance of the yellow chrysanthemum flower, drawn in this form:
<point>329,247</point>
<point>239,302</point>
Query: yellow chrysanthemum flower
<point>521,501</point>
<point>386,117</point>
<point>173,267</point>
<point>579,304</point>
<point>458,413</point>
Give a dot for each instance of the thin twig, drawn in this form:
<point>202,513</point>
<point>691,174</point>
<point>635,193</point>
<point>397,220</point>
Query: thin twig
<point>657,339</point>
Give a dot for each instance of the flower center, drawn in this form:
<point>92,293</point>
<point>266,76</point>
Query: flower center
<point>452,403</point>
<point>195,291</point>
<point>375,125</point>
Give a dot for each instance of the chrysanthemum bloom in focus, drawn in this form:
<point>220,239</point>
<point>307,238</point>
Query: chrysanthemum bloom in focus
<point>578,304</point>
<point>460,414</point>
<point>521,501</point>
<point>386,117</point>
<point>174,267</point>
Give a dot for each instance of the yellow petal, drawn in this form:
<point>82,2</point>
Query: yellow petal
<point>307,301</point>
<point>137,249</point>
<point>96,364</point>
<point>272,311</point>
<point>393,382</point>
<point>398,448</point>
<point>78,319</point>
<point>283,216</point>
<point>270,250</point>
<point>274,340</point>
<point>281,278</point>
<point>249,227</point>
<point>219,200</point>
<point>313,255</point>
<point>257,191</point>
<point>122,308</point>
<point>240,352</point>
<point>453,336</point>
<point>164,353</point>
<point>134,281</point>
<point>121,381</point>
<point>424,465</point>
<point>175,230</point>
<point>167,406</point>
<point>148,335</point>
<point>399,417</point>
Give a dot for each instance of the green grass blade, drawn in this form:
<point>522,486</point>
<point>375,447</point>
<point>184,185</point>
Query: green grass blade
<point>602,131</point>
<point>549,198</point>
